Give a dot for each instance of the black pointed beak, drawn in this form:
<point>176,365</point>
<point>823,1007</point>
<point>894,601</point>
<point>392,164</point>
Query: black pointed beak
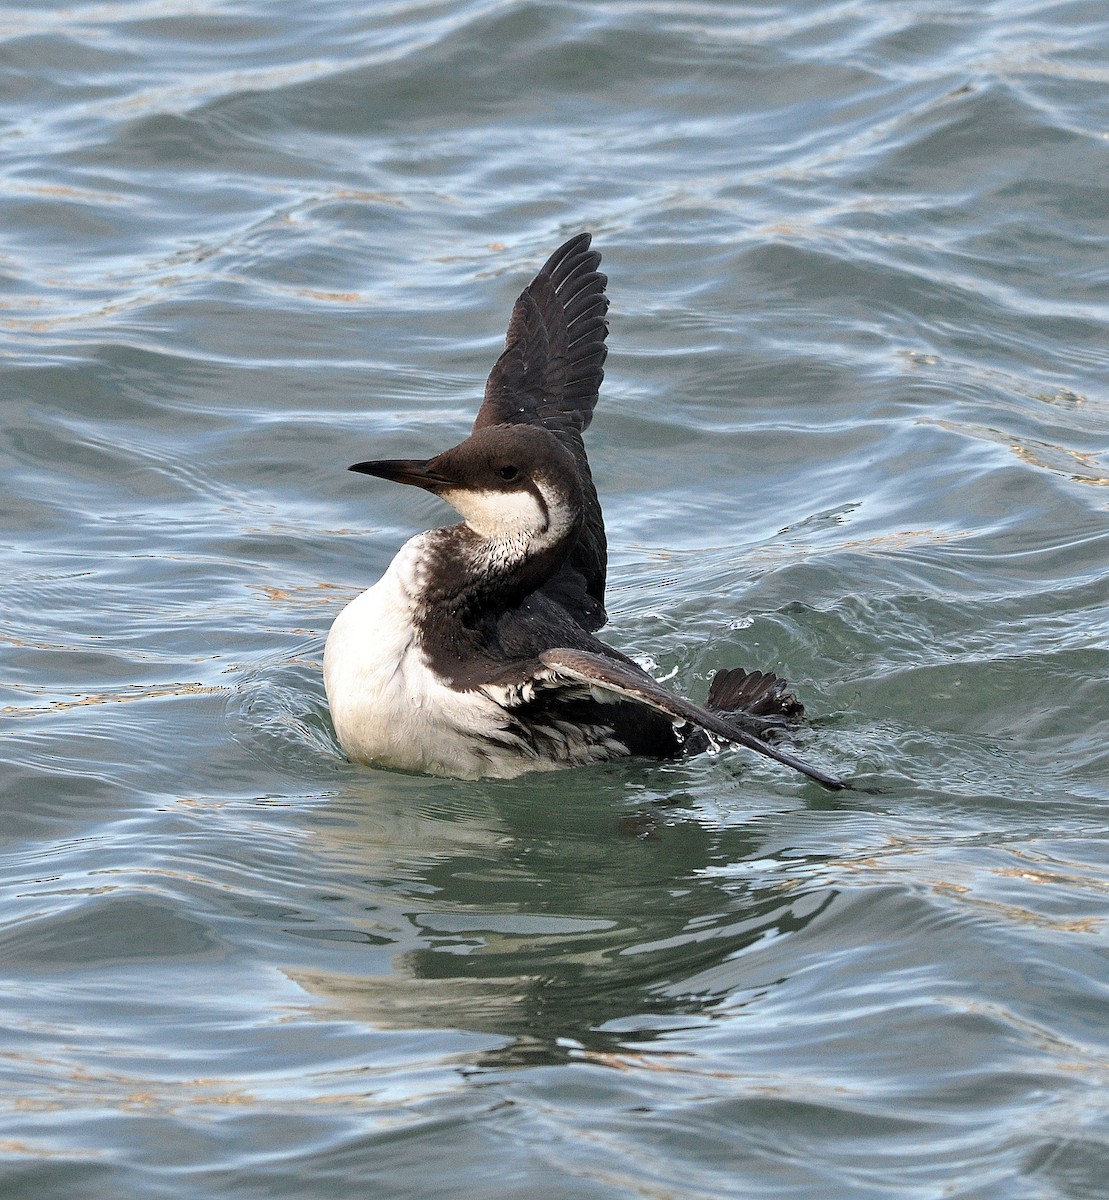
<point>415,471</point>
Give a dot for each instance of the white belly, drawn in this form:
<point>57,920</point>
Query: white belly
<point>389,708</point>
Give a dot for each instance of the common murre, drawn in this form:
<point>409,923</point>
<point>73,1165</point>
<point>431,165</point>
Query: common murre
<point>474,655</point>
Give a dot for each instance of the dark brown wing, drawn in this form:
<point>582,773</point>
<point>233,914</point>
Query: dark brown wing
<point>549,375</point>
<point>630,683</point>
<point>551,368</point>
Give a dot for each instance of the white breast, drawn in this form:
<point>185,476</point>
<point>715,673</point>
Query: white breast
<point>388,706</point>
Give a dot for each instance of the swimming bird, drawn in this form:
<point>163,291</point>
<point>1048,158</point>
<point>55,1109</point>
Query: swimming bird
<point>475,653</point>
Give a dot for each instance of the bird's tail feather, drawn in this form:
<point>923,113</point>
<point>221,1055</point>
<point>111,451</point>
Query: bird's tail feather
<point>754,700</point>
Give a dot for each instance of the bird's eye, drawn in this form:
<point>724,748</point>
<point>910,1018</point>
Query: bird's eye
<point>507,472</point>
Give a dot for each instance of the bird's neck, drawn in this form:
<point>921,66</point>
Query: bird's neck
<point>478,577</point>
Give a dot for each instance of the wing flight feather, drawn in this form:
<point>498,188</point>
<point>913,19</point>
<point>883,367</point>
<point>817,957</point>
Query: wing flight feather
<point>628,682</point>
<point>550,375</point>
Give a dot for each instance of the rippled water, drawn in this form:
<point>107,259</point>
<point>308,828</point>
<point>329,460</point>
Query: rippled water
<point>855,425</point>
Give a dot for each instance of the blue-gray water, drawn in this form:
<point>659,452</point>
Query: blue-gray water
<point>854,427</point>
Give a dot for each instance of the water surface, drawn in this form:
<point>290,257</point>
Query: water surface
<point>853,427</point>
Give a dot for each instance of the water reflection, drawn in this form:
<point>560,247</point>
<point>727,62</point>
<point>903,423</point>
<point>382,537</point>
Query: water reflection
<point>573,915</point>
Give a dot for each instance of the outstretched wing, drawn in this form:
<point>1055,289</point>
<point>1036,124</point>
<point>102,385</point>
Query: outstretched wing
<point>549,375</point>
<point>551,368</point>
<point>598,672</point>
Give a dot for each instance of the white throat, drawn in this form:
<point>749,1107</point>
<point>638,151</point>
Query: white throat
<point>515,518</point>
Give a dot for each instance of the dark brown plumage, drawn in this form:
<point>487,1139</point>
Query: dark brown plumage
<point>484,649</point>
